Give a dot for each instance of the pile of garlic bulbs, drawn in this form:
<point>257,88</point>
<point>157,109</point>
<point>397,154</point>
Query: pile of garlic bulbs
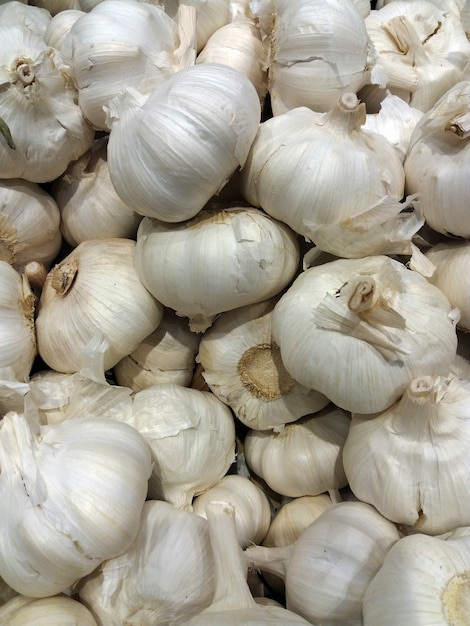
<point>234,312</point>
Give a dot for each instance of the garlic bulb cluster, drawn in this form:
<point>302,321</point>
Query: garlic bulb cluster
<point>17,310</point>
<point>59,609</point>
<point>422,47</point>
<point>437,162</point>
<point>242,366</point>
<point>89,205</point>
<point>427,429</point>
<point>94,292</point>
<point>244,256</point>
<point>122,43</point>
<point>171,149</point>
<point>43,128</point>
<point>357,330</point>
<point>331,181</point>
<point>65,503</point>
<point>165,576</point>
<point>29,224</point>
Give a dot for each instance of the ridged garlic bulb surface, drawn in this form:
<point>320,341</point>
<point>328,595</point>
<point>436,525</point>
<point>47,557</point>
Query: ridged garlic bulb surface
<point>59,609</point>
<point>172,149</point>
<point>360,330</point>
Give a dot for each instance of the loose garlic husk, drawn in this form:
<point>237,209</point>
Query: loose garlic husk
<point>192,438</point>
<point>359,331</point>
<point>331,181</point>
<point>252,507</point>
<point>12,392</point>
<point>427,430</point>
<point>422,48</point>
<point>308,39</point>
<point>242,366</point>
<point>94,291</point>
<point>29,224</point>
<point>172,149</point>
<point>304,459</point>
<point>436,165</point>
<point>164,577</point>
<point>243,256</point>
<point>66,505</point>
<point>60,25</point>
<point>59,609</point>
<point>14,13</point>
<point>168,355</point>
<point>89,206</point>
<point>17,327</point>
<point>121,44</point>
<point>423,580</point>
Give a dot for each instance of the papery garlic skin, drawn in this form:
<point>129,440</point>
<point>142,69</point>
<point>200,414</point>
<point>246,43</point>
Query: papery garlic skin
<point>17,327</point>
<point>89,205</point>
<point>252,507</point>
<point>60,25</point>
<point>172,149</point>
<point>43,126</point>
<point>242,366</point>
<point>165,576</point>
<point>369,335</point>
<point>66,504</point>
<point>304,459</point>
<point>59,609</point>
<point>168,355</point>
<point>29,224</point>
<point>94,291</point>
<point>244,256</point>
<point>14,13</point>
<point>437,162</point>
<point>427,429</point>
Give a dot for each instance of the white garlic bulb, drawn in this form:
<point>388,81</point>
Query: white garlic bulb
<point>29,224</point>
<point>360,330</point>
<point>59,609</point>
<point>42,126</point>
<point>94,291</point>
<point>251,504</point>
<point>60,25</point>
<point>172,149</point>
<point>89,205</point>
<point>242,366</point>
<point>15,13</point>
<point>437,162</point>
<point>164,577</point>
<point>304,459</point>
<point>168,355</point>
<point>427,430</point>
<point>66,505</point>
<point>243,256</point>
<point>17,327</point>
<point>331,181</point>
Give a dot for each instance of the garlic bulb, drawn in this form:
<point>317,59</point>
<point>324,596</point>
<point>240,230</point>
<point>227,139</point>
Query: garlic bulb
<point>66,505</point>
<point>56,6</point>
<point>94,291</point>
<point>331,181</point>
<point>423,580</point>
<point>329,567</point>
<point>42,128</point>
<point>233,603</point>
<point>251,505</point>
<point>164,577</point>
<point>192,438</point>
<point>360,330</point>
<point>172,149</point>
<point>167,355</point>
<point>29,224</point>
<point>15,13</point>
<point>243,368</point>
<point>60,25</point>
<point>451,275</point>
<point>305,459</point>
<point>121,44</point>
<point>437,162</point>
<point>89,205</point>
<point>422,48</point>
<point>427,430</point>
<point>243,256</point>
<point>319,50</point>
<point>59,609</point>
<point>17,328</point>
